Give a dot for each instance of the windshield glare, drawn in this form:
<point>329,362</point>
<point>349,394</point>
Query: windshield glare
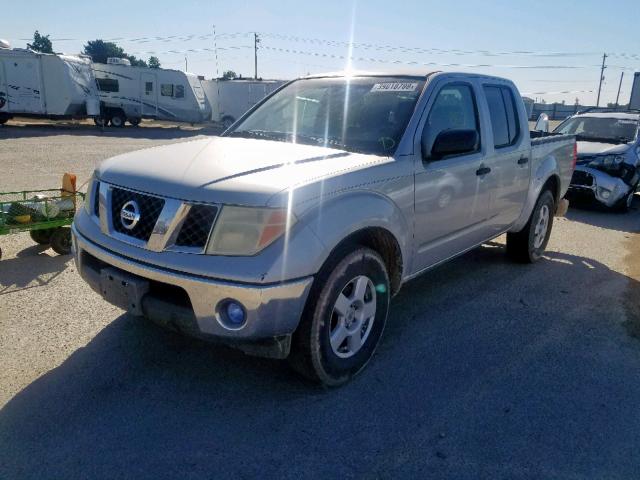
<point>360,114</point>
<point>600,128</point>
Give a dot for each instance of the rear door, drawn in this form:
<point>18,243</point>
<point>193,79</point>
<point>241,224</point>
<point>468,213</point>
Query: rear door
<point>507,156</point>
<point>149,94</point>
<point>451,194</point>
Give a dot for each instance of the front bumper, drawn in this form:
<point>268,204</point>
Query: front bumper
<point>272,310</point>
<point>597,185</point>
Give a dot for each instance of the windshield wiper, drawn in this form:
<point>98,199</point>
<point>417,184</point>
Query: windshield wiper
<point>258,134</point>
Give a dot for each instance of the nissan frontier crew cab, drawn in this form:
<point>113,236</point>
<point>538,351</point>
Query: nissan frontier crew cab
<point>288,235</point>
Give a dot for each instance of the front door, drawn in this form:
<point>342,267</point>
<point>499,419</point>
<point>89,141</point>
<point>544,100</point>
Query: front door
<point>149,95</point>
<point>451,194</point>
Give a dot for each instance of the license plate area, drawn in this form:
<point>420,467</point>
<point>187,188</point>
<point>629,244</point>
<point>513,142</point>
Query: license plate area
<point>123,289</point>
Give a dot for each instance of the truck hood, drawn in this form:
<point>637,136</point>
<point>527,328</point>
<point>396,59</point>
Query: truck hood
<point>589,149</point>
<point>228,170</point>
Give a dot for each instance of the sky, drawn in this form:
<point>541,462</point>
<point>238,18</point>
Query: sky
<point>564,39</point>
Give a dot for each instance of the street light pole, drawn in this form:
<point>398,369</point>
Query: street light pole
<point>604,59</point>
<point>256,40</point>
<point>619,88</point>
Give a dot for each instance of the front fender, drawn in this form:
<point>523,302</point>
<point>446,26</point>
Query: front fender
<point>337,218</point>
<point>548,168</point>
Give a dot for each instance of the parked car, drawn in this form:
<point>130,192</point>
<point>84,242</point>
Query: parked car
<point>608,169</point>
<point>288,235</point>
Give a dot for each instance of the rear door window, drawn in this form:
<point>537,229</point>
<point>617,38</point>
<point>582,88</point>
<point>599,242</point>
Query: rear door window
<point>504,115</point>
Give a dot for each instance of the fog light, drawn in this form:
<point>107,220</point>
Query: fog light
<point>232,314</point>
<point>604,193</point>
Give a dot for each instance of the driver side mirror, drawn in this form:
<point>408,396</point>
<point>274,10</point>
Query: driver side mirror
<point>542,125</point>
<point>452,142</point>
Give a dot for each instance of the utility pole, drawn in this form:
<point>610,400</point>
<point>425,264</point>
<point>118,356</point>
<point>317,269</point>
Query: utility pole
<point>619,88</point>
<point>186,64</point>
<point>255,56</point>
<point>604,59</point>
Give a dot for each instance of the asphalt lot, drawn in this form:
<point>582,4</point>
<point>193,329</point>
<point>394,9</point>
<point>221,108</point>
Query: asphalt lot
<point>487,369</point>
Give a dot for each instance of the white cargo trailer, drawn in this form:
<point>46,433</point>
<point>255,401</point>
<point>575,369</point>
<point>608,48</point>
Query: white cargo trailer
<point>45,85</point>
<point>230,99</point>
<point>129,93</point>
<point>634,102</point>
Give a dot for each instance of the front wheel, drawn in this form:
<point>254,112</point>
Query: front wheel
<point>42,236</point>
<point>343,320</point>
<point>528,245</point>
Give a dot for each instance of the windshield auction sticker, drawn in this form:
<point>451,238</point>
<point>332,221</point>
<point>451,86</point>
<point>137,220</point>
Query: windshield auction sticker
<point>394,87</point>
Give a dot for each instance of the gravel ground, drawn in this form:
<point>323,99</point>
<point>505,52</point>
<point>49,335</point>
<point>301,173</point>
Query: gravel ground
<point>487,369</point>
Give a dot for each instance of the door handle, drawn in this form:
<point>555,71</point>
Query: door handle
<point>523,161</point>
<point>482,171</point>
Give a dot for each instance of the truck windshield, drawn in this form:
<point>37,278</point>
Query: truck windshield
<point>600,129</point>
<point>358,114</point>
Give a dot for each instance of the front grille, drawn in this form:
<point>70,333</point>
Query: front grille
<point>196,227</point>
<point>581,179</point>
<point>150,209</point>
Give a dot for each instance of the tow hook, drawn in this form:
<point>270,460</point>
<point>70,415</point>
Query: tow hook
<point>563,206</point>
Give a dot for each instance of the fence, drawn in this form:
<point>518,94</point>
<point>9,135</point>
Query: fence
<point>556,111</point>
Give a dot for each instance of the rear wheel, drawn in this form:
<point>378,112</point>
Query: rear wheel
<point>43,236</point>
<point>134,121</point>
<point>118,120</point>
<point>343,320</point>
<point>528,245</point>
<point>4,118</point>
<point>61,240</point>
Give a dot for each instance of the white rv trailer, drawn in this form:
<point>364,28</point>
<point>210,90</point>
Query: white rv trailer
<point>130,93</point>
<point>45,85</point>
<point>230,99</point>
<point>634,102</point>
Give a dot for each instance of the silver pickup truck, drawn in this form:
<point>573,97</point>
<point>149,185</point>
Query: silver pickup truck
<point>288,235</point>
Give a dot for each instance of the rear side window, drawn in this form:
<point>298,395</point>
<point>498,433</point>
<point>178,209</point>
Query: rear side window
<point>108,84</point>
<point>503,113</point>
<point>454,108</point>
<point>179,91</point>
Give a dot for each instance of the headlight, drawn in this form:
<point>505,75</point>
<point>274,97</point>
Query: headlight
<point>246,231</point>
<point>90,195</point>
<point>607,161</point>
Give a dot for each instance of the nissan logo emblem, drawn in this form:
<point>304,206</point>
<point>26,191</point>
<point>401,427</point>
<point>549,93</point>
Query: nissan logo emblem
<point>130,214</point>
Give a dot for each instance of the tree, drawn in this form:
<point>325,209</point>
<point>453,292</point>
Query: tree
<point>41,43</point>
<point>229,75</point>
<point>154,62</point>
<point>99,51</point>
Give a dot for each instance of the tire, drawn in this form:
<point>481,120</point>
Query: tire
<point>42,236</point>
<point>624,205</point>
<point>3,118</point>
<point>528,245</point>
<point>134,121</point>
<point>118,120</point>
<point>61,240</point>
<point>101,121</point>
<point>355,283</point>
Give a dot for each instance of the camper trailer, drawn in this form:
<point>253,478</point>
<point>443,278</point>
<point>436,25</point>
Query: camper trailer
<point>129,93</point>
<point>230,99</point>
<point>45,85</point>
